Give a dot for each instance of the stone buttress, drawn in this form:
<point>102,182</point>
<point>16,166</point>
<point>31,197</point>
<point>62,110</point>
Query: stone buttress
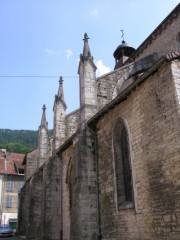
<point>84,220</point>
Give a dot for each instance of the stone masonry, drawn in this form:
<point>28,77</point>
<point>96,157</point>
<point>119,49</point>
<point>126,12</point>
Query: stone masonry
<point>111,169</point>
<point>153,123</point>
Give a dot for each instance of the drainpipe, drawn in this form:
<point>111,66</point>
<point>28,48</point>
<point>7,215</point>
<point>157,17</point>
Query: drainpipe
<point>99,237</point>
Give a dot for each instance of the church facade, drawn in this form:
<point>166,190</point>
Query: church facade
<point>111,169</point>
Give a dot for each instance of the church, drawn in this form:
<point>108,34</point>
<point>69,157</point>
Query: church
<point>111,170</point>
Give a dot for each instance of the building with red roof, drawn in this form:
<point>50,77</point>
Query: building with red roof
<point>11,181</point>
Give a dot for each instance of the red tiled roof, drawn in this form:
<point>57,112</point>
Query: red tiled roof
<point>12,160</point>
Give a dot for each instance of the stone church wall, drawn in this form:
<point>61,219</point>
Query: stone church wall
<point>79,188</point>
<point>72,125</point>
<point>35,230</point>
<point>151,113</point>
<point>31,164</point>
<point>67,166</point>
<point>106,84</point>
<point>167,33</point>
<point>51,211</point>
<point>40,203</point>
<point>23,211</point>
<point>176,70</point>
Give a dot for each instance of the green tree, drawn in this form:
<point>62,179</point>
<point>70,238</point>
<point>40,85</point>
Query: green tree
<point>15,148</point>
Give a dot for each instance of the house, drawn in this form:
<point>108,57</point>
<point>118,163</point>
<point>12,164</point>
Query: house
<point>111,170</point>
<point>11,182</point>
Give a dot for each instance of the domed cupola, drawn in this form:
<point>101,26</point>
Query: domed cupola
<point>122,53</point>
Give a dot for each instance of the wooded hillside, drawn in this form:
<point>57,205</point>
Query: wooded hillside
<point>19,141</point>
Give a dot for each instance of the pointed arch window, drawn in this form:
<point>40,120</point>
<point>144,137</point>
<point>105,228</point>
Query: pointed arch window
<point>123,171</point>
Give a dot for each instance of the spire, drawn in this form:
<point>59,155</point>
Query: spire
<point>43,119</point>
<point>60,91</point>
<point>60,95</point>
<point>86,51</point>
<point>59,129</point>
<point>43,139</point>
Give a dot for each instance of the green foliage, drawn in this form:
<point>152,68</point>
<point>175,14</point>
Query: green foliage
<point>15,148</point>
<point>27,138</point>
<point>19,141</point>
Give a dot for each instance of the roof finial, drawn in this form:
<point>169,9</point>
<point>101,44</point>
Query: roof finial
<point>60,95</point>
<point>43,119</point>
<point>122,36</point>
<point>44,108</point>
<point>61,80</point>
<point>86,50</point>
<point>85,37</point>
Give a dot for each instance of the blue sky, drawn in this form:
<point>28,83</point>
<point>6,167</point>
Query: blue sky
<point>44,38</point>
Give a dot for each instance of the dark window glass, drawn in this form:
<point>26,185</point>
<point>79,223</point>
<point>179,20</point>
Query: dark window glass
<point>122,164</point>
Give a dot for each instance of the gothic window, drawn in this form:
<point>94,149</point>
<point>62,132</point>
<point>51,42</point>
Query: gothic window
<point>123,171</point>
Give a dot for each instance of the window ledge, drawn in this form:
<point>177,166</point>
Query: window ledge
<point>126,205</point>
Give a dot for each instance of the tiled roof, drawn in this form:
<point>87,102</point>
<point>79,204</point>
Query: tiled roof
<point>12,162</point>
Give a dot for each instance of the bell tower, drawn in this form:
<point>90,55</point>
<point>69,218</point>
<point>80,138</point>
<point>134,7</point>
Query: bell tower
<point>122,53</point>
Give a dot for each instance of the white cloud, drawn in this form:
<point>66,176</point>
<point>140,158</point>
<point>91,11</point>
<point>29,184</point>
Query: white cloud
<point>49,51</point>
<point>101,68</point>
<point>69,53</point>
<point>94,12</point>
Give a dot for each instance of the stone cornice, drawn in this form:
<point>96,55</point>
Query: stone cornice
<point>173,55</point>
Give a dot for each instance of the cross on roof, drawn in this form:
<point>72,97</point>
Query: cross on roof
<point>61,80</point>
<point>85,37</point>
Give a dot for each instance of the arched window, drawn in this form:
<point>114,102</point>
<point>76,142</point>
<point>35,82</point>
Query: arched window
<point>123,170</point>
